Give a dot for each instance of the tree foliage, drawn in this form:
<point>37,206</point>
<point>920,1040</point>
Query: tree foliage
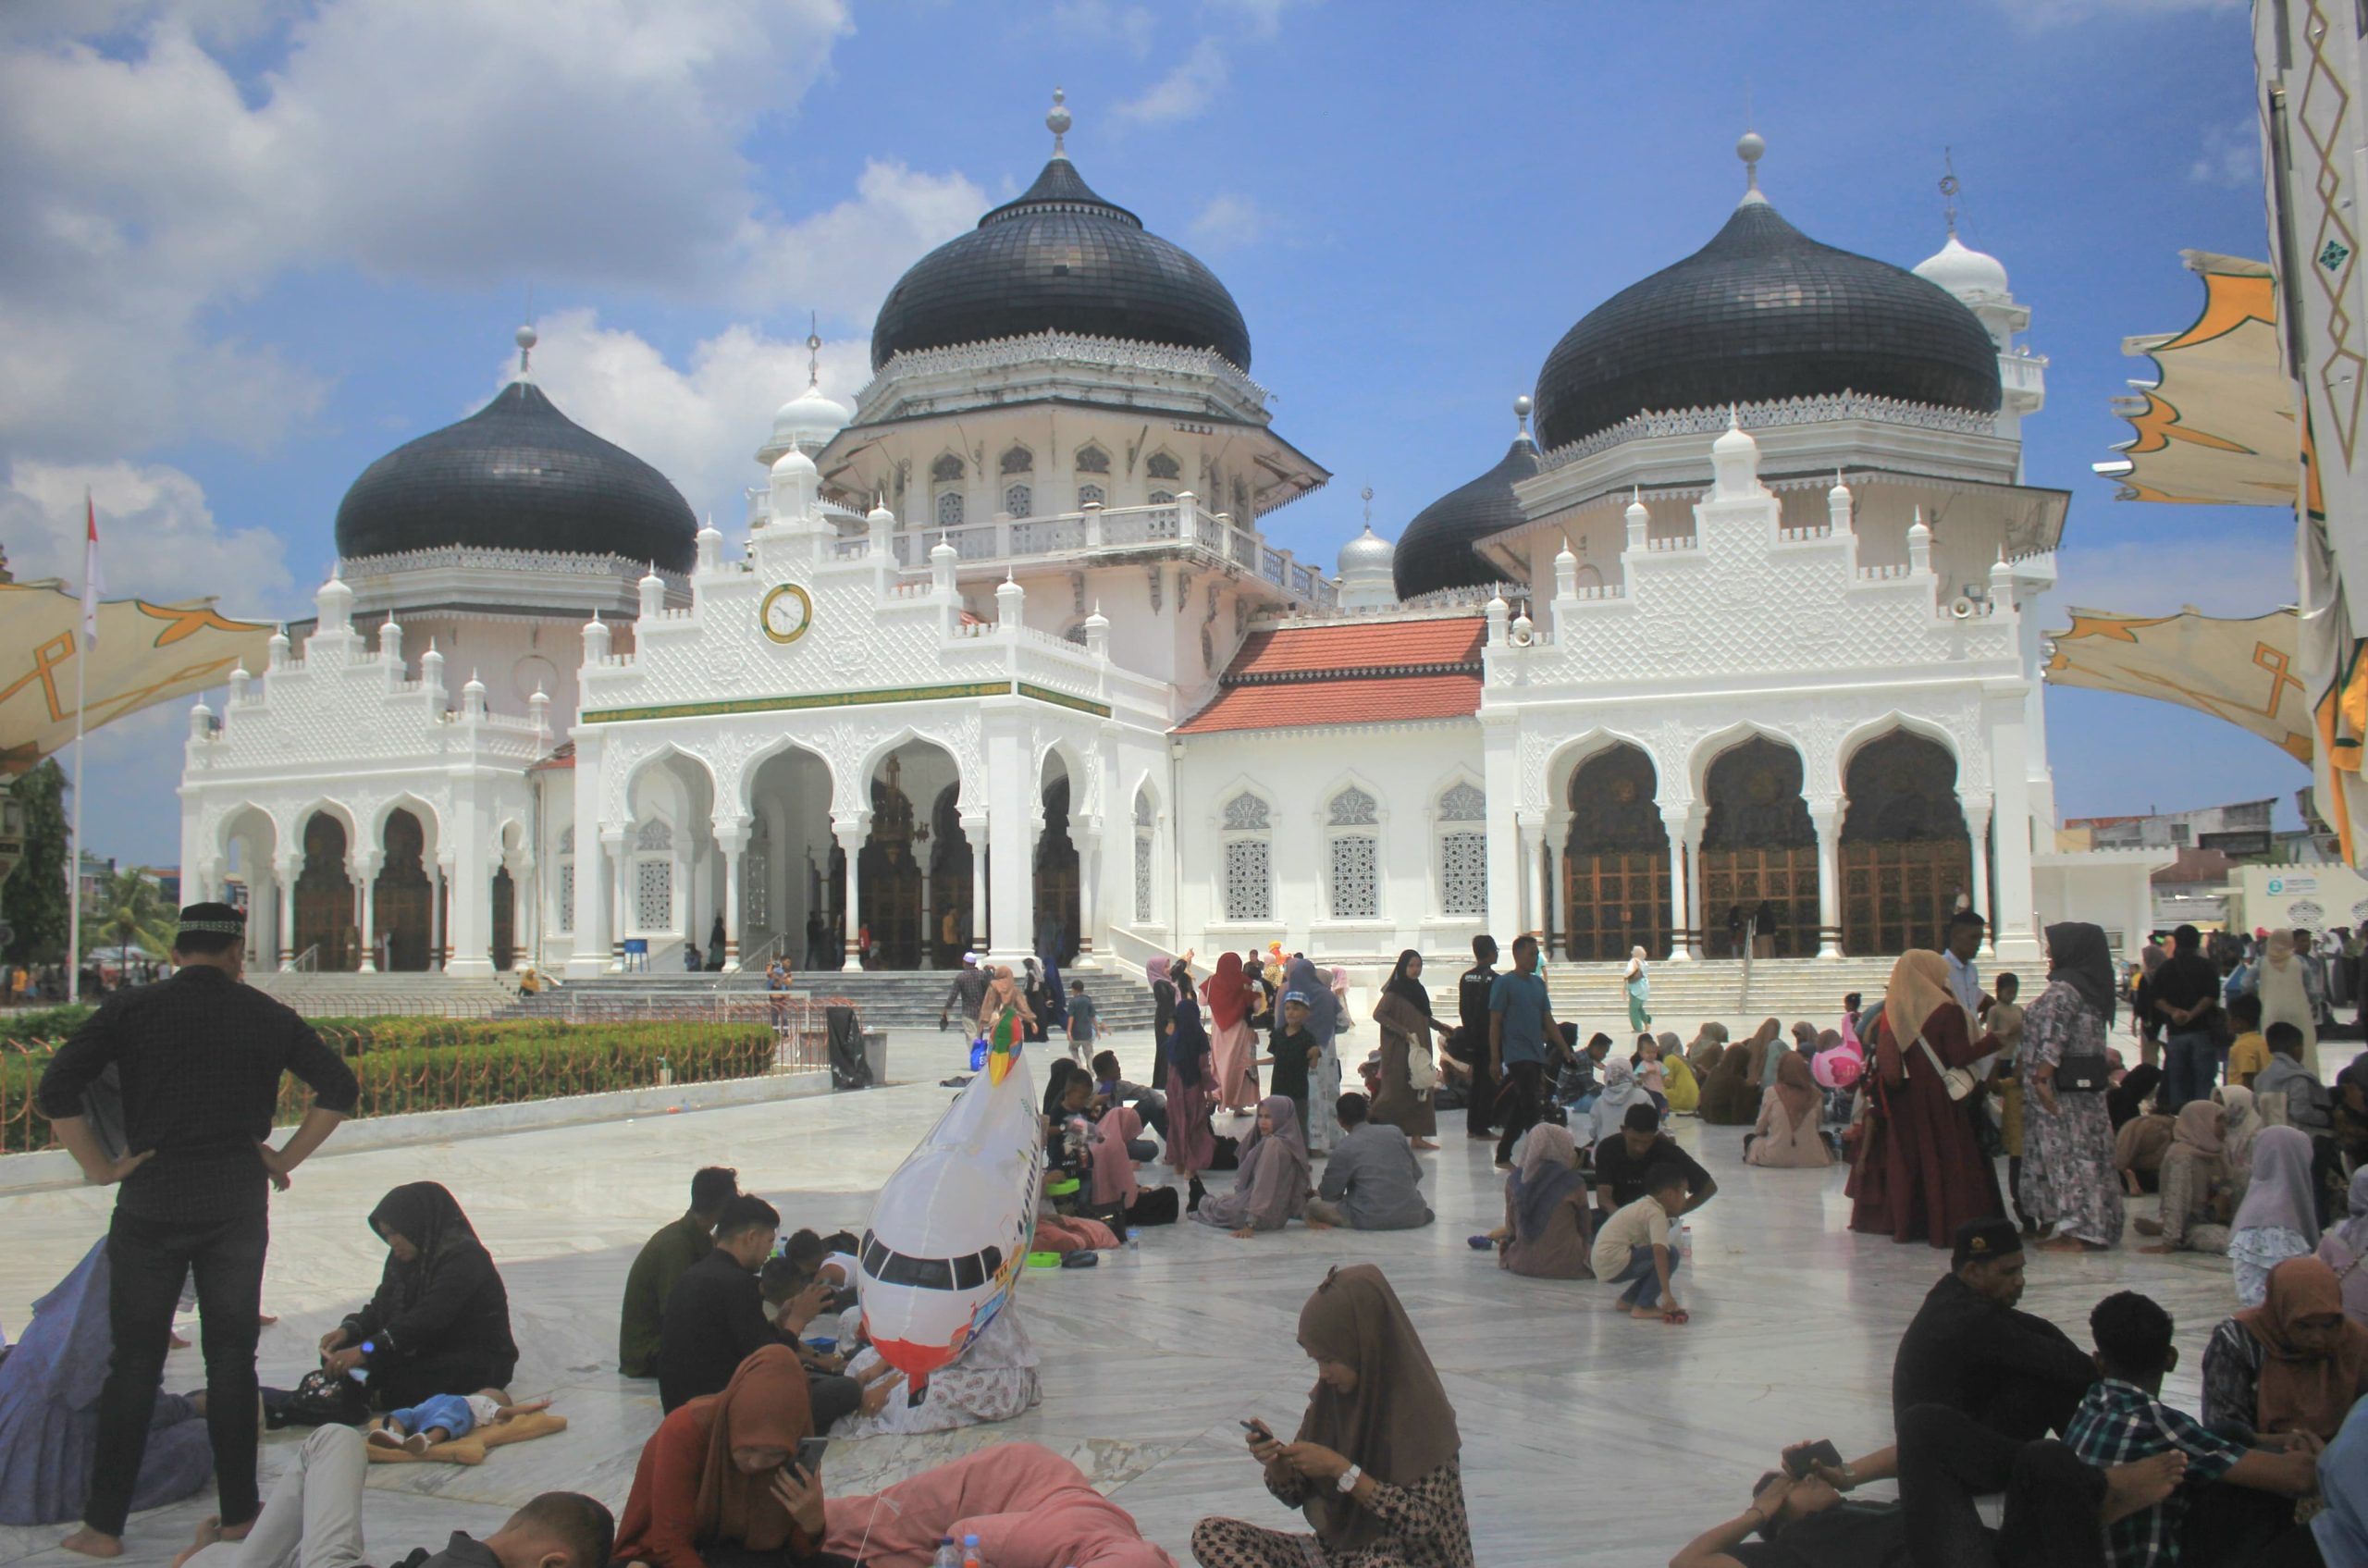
<point>33,900</point>
<point>131,913</point>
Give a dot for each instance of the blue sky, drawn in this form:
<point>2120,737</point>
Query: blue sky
<point>264,243</point>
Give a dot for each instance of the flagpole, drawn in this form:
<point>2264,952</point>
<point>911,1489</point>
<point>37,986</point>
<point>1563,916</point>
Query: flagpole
<point>74,845</point>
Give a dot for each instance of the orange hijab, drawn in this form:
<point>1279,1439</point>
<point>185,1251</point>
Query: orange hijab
<point>763,1406</point>
<point>1918,988</point>
<point>2302,1394</point>
<point>1795,1088</point>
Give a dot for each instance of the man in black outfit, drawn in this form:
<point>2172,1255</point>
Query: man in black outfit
<point>2185,995</point>
<point>1471,1043</point>
<point>1968,1348</point>
<point>198,1058</point>
<point>1624,1166</point>
<point>715,1319</point>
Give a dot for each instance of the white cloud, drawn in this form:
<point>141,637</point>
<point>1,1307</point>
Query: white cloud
<point>840,261</point>
<point>1229,220</point>
<point>699,426</point>
<point>157,536</point>
<point>1185,92</point>
<point>2230,156</point>
<point>1128,26</point>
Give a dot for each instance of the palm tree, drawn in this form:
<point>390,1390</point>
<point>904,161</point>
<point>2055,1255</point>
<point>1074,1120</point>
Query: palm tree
<point>132,913</point>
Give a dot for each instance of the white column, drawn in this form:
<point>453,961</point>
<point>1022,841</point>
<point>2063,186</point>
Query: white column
<point>365,878</point>
<point>732,838</point>
<point>2011,925</point>
<point>1557,898</point>
<point>1825,816</point>
<point>439,896</point>
<point>1088,901</point>
<point>286,867</point>
<point>851,835</point>
<point>1500,761</point>
<point>1013,809</point>
<point>1680,907</point>
<point>974,833</point>
<point>1977,827</point>
<point>591,955</point>
<point>471,917</point>
<point>612,854</point>
<point>1532,870</point>
<point>1694,822</point>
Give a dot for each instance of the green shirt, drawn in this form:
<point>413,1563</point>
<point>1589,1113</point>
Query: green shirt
<point>663,1259</point>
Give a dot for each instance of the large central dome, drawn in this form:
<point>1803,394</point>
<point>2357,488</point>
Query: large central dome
<point>1763,313</point>
<point>1059,259</point>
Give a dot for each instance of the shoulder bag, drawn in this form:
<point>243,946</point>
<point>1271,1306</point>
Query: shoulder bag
<point>2083,1075</point>
<point>1422,1070</point>
<point>1958,1082</point>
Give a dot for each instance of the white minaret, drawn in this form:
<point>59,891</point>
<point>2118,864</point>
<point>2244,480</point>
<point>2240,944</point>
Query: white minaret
<point>1368,580</point>
<point>1979,281</point>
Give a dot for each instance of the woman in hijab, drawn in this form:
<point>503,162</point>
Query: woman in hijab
<point>1191,1086</point>
<point>1232,1047</point>
<point>1710,1044</point>
<point>2139,1145</point>
<point>2283,981</point>
<point>706,1476</point>
<point>1272,1187</point>
<point>2196,1193</point>
<point>1112,1169</point>
<point>2068,1179</point>
<point>440,1321</point>
<point>1772,1048</point>
<point>2141,1004</point>
<point>1029,1507</point>
<point>2128,1099</point>
<point>1378,1420</point>
<point>2278,1219</point>
<point>2244,1126</point>
<point>2345,1248</point>
<point>1003,996</point>
<point>1162,1012</point>
<point>1638,984</point>
<point>1923,1173</point>
<point>49,1411</point>
<point>1684,1091</point>
<point>1403,1016</point>
<point>1546,1224</point>
<point>2294,1364</point>
<point>1787,1133</point>
<point>1032,993</point>
<point>1731,1087</point>
<point>1620,1091</point>
<point>1322,1022</point>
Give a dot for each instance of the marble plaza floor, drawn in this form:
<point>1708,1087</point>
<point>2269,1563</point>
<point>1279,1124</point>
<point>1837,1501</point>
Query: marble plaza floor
<point>1588,1439</point>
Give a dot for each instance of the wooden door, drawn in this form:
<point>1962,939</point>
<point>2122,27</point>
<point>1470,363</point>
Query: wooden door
<point>1896,896</point>
<point>1614,901</point>
<point>1784,878</point>
<point>505,919</point>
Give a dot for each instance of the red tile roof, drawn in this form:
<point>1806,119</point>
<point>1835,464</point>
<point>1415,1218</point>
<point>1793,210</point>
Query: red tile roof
<point>1296,677</point>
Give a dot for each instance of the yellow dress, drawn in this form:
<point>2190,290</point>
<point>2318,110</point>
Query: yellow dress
<point>1678,1082</point>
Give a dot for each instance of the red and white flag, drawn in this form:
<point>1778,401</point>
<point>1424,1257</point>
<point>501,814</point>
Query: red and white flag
<point>93,584</point>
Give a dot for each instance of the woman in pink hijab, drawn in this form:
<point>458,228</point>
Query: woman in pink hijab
<point>1111,1169</point>
<point>1029,1507</point>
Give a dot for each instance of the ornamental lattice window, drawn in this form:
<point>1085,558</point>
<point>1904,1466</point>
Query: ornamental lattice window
<point>1163,466</point>
<point>1092,460</point>
<point>1143,819</point>
<point>653,904</point>
<point>653,835</point>
<point>1356,893</point>
<point>752,889</point>
<point>949,509</point>
<point>1090,495</point>
<point>1246,813</point>
<point>567,898</point>
<point>1463,802</point>
<point>1142,879</point>
<point>1352,807</point>
<point>1249,882</point>
<point>1464,874</point>
<point>1018,499</point>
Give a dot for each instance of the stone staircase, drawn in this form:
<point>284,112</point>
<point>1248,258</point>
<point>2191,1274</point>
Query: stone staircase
<point>343,994</point>
<point>885,998</point>
<point>1685,994</point>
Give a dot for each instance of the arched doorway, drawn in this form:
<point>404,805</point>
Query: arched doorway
<point>792,876</point>
<point>1759,851</point>
<point>1905,856</point>
<point>949,880</point>
<point>1615,862</point>
<point>1057,910</point>
<point>505,920</point>
<point>891,876</point>
<point>402,896</point>
<point>325,908</point>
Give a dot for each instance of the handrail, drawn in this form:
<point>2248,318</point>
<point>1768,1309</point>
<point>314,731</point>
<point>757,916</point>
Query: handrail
<point>306,962</point>
<point>762,958</point>
<point>1750,940</point>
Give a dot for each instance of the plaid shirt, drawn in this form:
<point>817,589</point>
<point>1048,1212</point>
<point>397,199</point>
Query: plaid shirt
<point>2118,1423</point>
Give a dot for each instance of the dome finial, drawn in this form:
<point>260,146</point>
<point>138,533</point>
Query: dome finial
<point>1949,189</point>
<point>526,341</point>
<point>1750,147</point>
<point>1367,494</point>
<point>1521,415</point>
<point>1058,121</point>
<point>813,349</point>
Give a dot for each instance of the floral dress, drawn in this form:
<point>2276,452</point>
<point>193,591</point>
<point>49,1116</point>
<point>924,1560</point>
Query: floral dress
<point>2067,1178</point>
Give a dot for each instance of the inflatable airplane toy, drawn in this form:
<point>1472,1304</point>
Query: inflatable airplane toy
<point>949,1234</point>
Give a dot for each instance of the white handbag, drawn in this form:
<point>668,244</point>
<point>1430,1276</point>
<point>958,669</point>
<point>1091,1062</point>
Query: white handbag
<point>1422,1070</point>
<point>1958,1082</point>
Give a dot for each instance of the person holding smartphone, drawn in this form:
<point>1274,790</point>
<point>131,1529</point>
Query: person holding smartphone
<point>705,1480</point>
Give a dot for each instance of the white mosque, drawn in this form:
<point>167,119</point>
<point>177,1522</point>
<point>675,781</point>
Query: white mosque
<point>1742,638</point>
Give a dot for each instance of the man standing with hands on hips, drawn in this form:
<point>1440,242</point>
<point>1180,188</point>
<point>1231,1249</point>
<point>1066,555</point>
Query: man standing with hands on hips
<point>199,1059</point>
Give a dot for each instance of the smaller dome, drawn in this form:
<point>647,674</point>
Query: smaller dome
<point>1436,551</point>
<point>809,419</point>
<point>1967,273</point>
<point>1367,552</point>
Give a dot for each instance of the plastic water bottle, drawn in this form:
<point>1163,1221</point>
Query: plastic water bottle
<point>948,1554</point>
<point>971,1558</point>
<point>1134,1239</point>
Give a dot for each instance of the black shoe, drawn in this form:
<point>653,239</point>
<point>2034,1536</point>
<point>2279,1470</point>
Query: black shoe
<point>1198,1192</point>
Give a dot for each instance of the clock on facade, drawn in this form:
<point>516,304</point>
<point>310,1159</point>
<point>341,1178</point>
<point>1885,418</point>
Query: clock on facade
<point>786,613</point>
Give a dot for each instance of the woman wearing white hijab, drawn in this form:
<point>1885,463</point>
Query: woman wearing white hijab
<point>2279,1217</point>
<point>2244,1126</point>
<point>2284,982</point>
<point>1620,1091</point>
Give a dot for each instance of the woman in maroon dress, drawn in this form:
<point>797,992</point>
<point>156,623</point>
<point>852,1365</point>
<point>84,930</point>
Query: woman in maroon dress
<point>1921,1173</point>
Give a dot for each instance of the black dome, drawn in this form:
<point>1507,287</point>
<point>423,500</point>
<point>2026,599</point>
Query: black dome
<point>1436,550</point>
<point>1059,259</point>
<point>1764,312</point>
<point>517,475</point>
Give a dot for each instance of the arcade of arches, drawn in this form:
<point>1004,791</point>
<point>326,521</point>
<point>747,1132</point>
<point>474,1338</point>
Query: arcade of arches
<point>1906,859</point>
<point>400,924</point>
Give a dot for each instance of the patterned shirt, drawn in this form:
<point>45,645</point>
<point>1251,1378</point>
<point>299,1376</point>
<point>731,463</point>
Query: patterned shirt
<point>1425,1525</point>
<point>2118,1423</point>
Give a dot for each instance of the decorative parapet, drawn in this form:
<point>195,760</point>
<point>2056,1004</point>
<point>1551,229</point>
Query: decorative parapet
<point>1773,414</point>
<point>547,563</point>
<point>1114,354</point>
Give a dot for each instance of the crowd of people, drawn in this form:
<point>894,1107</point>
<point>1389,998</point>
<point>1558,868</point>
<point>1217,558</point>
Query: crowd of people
<point>754,1344</point>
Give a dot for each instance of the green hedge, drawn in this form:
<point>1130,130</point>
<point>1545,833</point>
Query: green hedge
<point>408,1064</point>
<point>27,1025</point>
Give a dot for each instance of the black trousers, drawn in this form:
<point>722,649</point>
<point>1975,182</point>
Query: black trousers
<point>1518,1103</point>
<point>1947,1459</point>
<point>1480,1100</point>
<point>1154,1114</point>
<point>147,1261</point>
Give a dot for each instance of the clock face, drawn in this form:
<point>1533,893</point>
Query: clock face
<point>787,612</point>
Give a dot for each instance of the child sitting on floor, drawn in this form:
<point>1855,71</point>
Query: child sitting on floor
<point>445,1418</point>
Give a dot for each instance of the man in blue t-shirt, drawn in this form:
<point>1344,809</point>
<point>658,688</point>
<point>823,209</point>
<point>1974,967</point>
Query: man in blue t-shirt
<point>1519,1016</point>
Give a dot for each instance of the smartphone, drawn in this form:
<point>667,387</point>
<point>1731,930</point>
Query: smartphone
<point>1798,1462</point>
<point>1258,1430</point>
<point>810,1451</point>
